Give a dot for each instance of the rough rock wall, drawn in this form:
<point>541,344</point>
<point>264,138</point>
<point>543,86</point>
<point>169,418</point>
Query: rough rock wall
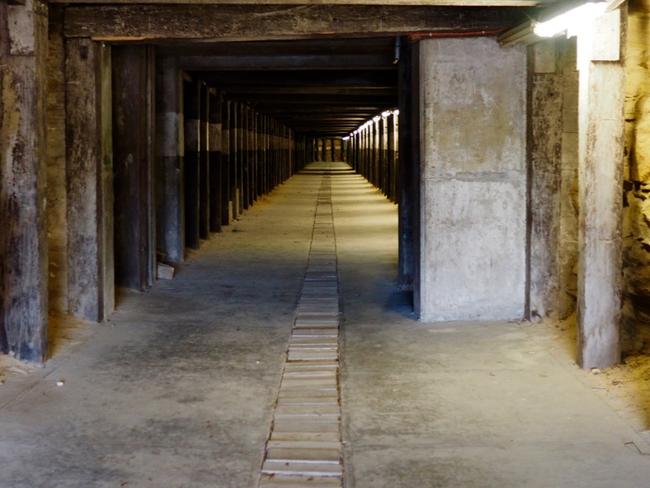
<point>56,181</point>
<point>636,216</point>
<point>554,179</point>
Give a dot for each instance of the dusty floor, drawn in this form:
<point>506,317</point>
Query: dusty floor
<point>176,391</point>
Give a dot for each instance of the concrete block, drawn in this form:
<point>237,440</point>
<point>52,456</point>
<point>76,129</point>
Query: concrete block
<point>475,251</point>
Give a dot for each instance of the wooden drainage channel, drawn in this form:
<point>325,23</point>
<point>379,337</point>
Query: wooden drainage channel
<point>304,448</point>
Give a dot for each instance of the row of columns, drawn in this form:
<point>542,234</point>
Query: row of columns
<point>373,151</point>
<point>219,154</point>
<point>325,149</point>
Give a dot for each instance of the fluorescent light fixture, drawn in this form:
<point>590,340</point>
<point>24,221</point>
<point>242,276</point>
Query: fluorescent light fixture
<point>396,112</point>
<point>376,118</point>
<point>346,138</point>
<point>571,22</point>
<point>386,113</point>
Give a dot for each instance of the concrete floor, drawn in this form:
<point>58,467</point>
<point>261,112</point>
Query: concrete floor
<point>176,391</point>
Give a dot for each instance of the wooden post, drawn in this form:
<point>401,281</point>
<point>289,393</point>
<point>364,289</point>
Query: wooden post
<point>204,162</point>
<point>191,107</point>
<point>91,282</point>
<point>23,239</point>
<point>235,158</point>
<point>390,156</point>
<point>601,141</point>
<point>226,163</point>
<point>170,188</point>
<point>133,152</point>
<point>408,164</point>
<point>214,158</point>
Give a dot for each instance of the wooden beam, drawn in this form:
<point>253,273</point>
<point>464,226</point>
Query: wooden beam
<point>288,63</point>
<point>428,3</point>
<point>267,22</point>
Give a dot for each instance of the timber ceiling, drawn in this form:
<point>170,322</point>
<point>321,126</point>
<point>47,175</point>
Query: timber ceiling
<point>325,87</point>
<point>323,67</point>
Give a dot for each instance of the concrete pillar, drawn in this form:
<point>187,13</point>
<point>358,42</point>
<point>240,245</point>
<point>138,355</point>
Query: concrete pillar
<point>23,241</point>
<point>170,148</point>
<point>473,180</point>
<point>133,153</point>
<point>192,126</point>
<point>601,152</point>
<point>91,293</point>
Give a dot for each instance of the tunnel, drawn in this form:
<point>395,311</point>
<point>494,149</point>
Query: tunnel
<point>324,243</point>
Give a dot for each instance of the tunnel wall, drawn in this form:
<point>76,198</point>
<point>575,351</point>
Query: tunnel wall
<point>473,180</point>
<point>636,191</point>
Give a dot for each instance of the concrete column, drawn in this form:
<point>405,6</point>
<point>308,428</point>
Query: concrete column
<point>170,148</point>
<point>601,152</point>
<point>91,282</point>
<point>473,180</point>
<point>133,152</point>
<point>23,241</point>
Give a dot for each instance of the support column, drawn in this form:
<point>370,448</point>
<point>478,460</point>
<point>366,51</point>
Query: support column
<point>170,187</point>
<point>204,162</point>
<point>473,180</point>
<point>226,163</point>
<point>408,194</point>
<point>91,282</point>
<point>133,152</point>
<point>601,141</point>
<point>214,157</point>
<point>390,156</point>
<point>23,241</point>
<point>192,127</point>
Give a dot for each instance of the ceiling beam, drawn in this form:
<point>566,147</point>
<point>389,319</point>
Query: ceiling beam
<point>146,23</point>
<point>288,63</point>
<point>429,3</point>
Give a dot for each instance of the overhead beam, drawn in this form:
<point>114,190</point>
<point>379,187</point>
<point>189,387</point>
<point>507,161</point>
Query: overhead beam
<point>308,90</point>
<point>141,23</point>
<point>288,63</point>
<point>434,3</point>
<point>312,77</point>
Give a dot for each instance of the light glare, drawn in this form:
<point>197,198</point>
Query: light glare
<point>571,22</point>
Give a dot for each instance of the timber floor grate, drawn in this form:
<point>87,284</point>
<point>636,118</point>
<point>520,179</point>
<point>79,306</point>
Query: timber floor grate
<point>304,448</point>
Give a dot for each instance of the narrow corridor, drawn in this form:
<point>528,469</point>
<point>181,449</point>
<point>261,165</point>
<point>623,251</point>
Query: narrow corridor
<point>178,390</point>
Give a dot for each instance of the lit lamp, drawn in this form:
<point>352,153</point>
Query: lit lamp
<point>572,22</point>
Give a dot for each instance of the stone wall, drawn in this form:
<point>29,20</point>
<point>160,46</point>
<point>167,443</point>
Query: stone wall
<point>554,179</point>
<point>636,191</point>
